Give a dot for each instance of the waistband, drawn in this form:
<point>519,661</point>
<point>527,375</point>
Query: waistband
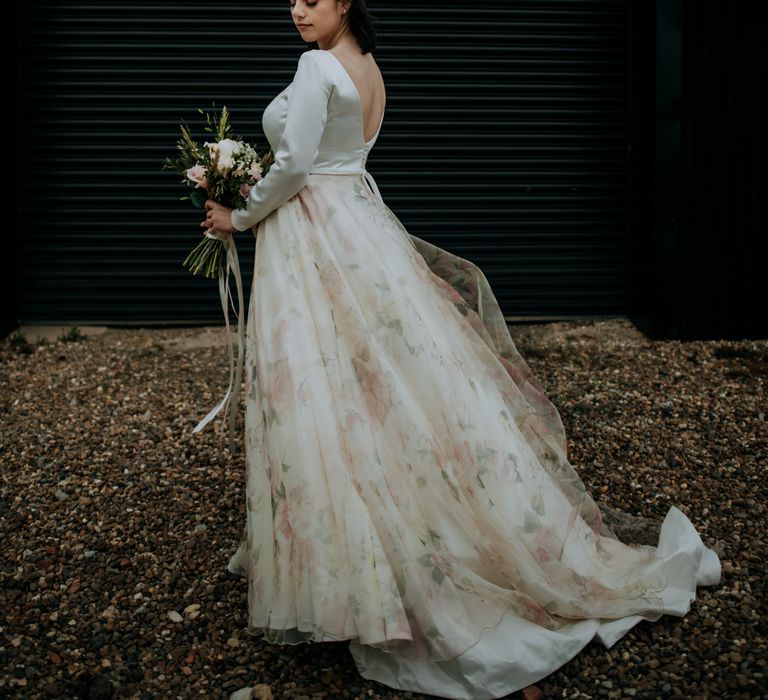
<point>366,176</point>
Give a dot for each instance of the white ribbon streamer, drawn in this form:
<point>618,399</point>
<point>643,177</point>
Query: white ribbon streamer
<point>235,377</point>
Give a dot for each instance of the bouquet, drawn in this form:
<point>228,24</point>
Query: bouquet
<point>223,170</point>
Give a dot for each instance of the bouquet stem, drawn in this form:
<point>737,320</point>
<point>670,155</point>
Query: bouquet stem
<point>206,257</point>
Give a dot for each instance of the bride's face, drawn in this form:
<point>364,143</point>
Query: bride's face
<point>318,20</point>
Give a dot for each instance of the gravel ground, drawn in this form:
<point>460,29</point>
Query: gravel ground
<point>117,522</point>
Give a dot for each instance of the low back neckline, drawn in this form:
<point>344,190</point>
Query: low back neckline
<point>359,101</point>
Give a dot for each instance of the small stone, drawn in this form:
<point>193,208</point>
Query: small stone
<point>194,607</point>
<point>173,616</point>
<point>531,692</point>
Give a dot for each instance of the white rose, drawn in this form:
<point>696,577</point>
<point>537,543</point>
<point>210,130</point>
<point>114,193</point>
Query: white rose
<point>227,149</point>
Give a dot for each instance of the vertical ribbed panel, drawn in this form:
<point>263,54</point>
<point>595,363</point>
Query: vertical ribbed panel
<point>710,256</point>
<point>506,140</point>
<point>723,248</point>
<point>641,90</point>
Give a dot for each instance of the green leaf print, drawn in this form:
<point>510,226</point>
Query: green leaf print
<point>530,522</point>
<point>271,417</point>
<point>425,560</point>
<point>538,504</point>
<point>451,484</point>
<point>437,575</point>
<point>433,534</point>
<point>484,453</point>
<point>513,459</point>
<point>286,467</point>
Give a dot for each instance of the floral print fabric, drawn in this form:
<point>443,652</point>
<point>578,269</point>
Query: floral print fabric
<point>407,477</point>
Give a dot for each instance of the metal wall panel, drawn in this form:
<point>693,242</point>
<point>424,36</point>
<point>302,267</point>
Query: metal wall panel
<point>507,140</point>
<point>713,283</point>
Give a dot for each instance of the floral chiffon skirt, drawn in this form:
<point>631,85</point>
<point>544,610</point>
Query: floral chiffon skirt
<point>408,486</point>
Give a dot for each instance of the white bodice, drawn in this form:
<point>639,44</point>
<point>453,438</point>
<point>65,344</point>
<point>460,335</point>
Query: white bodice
<point>315,125</point>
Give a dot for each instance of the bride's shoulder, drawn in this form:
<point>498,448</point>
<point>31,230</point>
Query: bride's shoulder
<point>317,61</point>
<point>318,55</point>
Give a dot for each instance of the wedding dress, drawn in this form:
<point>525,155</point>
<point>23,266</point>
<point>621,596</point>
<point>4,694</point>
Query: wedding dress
<point>408,487</point>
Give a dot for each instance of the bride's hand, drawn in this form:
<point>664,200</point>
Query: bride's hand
<point>218,217</point>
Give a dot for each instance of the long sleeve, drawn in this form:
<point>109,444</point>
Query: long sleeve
<point>307,112</point>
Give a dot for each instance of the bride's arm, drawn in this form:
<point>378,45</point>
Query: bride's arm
<point>304,125</point>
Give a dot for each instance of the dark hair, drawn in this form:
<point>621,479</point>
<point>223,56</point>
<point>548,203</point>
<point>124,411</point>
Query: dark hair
<point>361,25</point>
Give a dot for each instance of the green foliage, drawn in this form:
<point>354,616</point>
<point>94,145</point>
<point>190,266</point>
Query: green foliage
<point>18,342</point>
<point>73,335</point>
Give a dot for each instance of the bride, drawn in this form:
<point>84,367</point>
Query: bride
<point>408,486</point>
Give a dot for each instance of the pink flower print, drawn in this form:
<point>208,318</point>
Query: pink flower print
<point>282,521</point>
<point>275,481</point>
<point>376,394</point>
<point>346,243</point>
<point>300,503</point>
<point>350,420</point>
<point>534,612</point>
<point>302,554</point>
<point>463,453</point>
<point>346,451</point>
<point>373,385</point>
<point>279,389</point>
<point>279,333</point>
<point>399,628</point>
<point>314,207</point>
<point>305,394</point>
<point>441,458</point>
<point>547,544</point>
<point>331,280</point>
<point>597,590</point>
<point>449,290</point>
<point>597,523</point>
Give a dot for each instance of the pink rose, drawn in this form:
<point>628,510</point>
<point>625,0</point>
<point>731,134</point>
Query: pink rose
<point>197,174</point>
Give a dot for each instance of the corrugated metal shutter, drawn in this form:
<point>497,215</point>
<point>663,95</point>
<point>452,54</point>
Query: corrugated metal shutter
<point>506,141</point>
<point>711,250</point>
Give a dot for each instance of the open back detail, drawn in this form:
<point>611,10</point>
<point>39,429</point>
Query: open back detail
<point>360,102</point>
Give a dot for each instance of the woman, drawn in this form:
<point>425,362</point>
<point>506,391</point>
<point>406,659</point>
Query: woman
<point>408,487</point>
